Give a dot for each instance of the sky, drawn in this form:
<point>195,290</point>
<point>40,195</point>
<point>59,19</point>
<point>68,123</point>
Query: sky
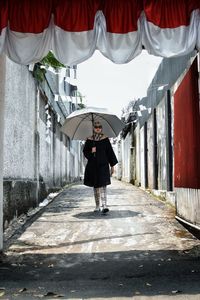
<point>108,85</point>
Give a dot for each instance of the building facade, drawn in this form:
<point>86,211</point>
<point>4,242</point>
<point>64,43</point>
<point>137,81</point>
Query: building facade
<point>38,157</point>
<point>162,138</point>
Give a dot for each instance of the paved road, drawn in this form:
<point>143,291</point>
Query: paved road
<point>137,251</point>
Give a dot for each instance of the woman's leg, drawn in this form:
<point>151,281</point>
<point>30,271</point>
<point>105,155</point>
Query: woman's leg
<point>97,198</point>
<point>103,193</point>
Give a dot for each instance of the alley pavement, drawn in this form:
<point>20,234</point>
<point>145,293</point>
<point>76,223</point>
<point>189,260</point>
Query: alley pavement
<point>67,251</point>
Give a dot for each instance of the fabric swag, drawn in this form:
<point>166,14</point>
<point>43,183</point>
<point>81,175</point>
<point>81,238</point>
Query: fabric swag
<point>119,29</point>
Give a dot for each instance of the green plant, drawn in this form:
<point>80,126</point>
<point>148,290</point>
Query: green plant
<point>48,61</point>
<point>51,61</point>
<point>38,73</point>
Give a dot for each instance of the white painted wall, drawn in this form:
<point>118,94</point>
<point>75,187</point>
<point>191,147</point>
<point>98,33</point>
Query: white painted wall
<point>150,151</point>
<point>27,159</point>
<point>161,146</point>
<point>117,150</point>
<point>142,169</point>
<point>20,98</point>
<point>138,155</point>
<point>45,146</point>
<point>126,144</point>
<point>2,101</point>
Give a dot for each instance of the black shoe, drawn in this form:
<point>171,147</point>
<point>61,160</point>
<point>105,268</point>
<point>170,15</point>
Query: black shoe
<point>105,210</point>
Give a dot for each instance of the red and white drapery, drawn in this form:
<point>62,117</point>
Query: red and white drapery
<point>119,29</point>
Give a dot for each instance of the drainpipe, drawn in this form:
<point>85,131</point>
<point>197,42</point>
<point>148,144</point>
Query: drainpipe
<point>169,150</point>
<point>2,107</point>
<point>54,148</point>
<point>155,159</point>
<point>145,156</point>
<point>37,144</point>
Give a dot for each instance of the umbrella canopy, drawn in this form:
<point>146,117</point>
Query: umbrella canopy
<point>79,124</point>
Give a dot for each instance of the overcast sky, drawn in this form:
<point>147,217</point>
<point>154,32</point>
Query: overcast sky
<point>105,84</point>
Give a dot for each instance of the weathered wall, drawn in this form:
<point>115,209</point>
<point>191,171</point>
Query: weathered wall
<point>45,148</point>
<point>126,157</point>
<point>133,158</point>
<point>37,160</point>
<point>19,141</point>
<point>20,95</point>
<point>118,152</point>
<point>161,146</point>
<point>150,151</point>
<point>2,101</point>
<point>138,157</point>
<point>142,164</point>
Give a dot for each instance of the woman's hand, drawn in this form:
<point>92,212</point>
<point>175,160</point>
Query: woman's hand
<point>93,149</point>
<point>112,170</point>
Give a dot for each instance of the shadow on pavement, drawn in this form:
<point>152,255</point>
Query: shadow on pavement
<point>112,214</point>
<point>106,275</point>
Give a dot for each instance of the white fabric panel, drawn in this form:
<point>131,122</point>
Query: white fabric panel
<point>119,48</point>
<point>170,42</point>
<point>27,48</point>
<point>72,48</point>
<point>2,39</point>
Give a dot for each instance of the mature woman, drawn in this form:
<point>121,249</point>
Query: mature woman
<point>100,165</point>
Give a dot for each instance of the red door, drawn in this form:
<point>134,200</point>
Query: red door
<point>187,131</point>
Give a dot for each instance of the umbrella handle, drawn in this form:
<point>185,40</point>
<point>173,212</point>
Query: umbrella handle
<point>93,132</point>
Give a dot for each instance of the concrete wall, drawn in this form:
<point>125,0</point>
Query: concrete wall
<point>138,156</point>
<point>20,186</point>
<point>20,95</point>
<point>2,101</point>
<point>45,144</point>
<point>118,152</point>
<point>150,151</point>
<point>142,160</point>
<point>126,157</point>
<point>172,127</point>
<point>38,157</point>
<point>161,146</point>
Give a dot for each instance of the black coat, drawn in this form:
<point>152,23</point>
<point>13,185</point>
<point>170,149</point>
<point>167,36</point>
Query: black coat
<point>97,171</point>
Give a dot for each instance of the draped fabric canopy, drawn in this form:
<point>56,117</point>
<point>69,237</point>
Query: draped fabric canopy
<point>119,29</point>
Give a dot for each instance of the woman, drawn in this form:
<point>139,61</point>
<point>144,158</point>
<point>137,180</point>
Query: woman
<point>100,165</point>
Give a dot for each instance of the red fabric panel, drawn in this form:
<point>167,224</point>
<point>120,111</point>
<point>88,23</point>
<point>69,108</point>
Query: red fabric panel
<point>122,16</point>
<point>29,16</point>
<point>169,13</point>
<point>75,15</point>
<point>3,14</point>
<point>78,15</point>
<point>186,132</point>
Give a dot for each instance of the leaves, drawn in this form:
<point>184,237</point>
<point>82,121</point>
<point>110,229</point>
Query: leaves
<point>50,60</point>
<point>39,73</point>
